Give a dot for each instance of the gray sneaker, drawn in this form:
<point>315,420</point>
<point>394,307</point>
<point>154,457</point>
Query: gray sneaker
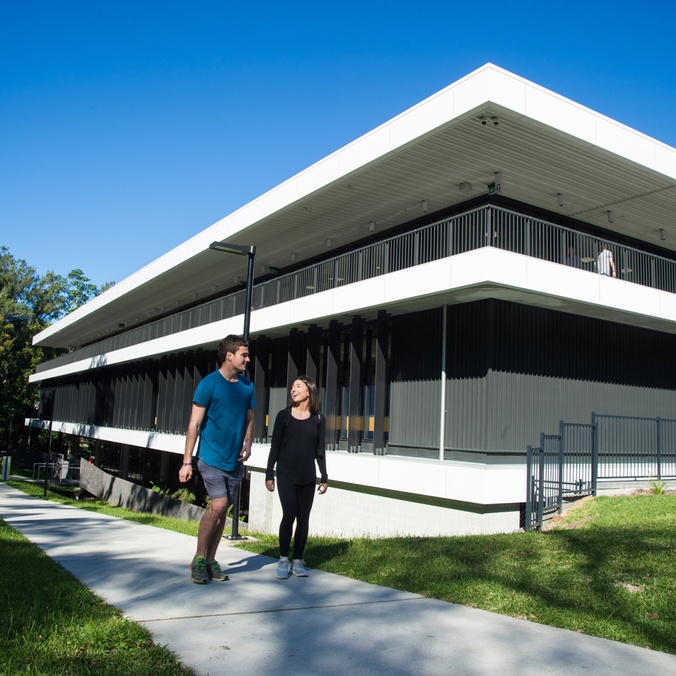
<point>283,569</point>
<point>216,572</point>
<point>198,570</point>
<point>298,569</point>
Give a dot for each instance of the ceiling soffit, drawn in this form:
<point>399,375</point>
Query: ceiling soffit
<point>535,163</point>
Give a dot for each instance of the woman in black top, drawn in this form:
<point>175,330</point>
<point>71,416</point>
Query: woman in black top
<point>298,440</point>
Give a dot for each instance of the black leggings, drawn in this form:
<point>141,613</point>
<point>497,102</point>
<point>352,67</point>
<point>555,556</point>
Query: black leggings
<point>296,502</point>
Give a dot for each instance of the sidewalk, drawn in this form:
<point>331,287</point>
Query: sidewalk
<point>255,624</point>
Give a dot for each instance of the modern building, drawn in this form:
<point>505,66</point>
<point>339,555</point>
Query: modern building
<point>441,279</point>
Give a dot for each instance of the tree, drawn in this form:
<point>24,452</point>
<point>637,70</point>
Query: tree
<point>28,304</point>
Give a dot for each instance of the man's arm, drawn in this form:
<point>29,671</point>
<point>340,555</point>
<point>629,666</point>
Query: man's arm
<point>196,418</point>
<point>248,436</point>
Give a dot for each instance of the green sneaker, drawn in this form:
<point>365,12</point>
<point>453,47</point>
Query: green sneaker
<point>198,570</point>
<point>216,572</point>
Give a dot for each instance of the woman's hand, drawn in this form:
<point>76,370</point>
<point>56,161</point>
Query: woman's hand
<point>322,488</point>
<point>270,485</point>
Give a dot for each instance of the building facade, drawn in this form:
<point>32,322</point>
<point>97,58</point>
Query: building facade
<point>440,278</point>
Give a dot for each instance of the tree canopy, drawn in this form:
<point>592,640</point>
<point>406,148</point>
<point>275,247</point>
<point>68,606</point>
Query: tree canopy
<point>28,304</point>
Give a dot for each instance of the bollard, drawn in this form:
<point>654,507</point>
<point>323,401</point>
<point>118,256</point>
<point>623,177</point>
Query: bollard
<point>6,463</point>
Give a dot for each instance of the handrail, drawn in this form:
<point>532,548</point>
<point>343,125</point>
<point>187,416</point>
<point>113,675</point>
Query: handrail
<point>482,226</point>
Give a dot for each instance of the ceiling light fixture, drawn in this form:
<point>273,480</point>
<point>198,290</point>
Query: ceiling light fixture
<point>559,198</point>
<point>489,121</point>
<point>496,186</point>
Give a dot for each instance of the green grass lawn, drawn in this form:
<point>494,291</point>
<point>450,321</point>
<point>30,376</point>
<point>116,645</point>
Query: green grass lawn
<point>607,569</point>
<point>52,624</point>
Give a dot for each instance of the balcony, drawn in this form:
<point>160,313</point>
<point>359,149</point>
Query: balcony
<point>486,226</point>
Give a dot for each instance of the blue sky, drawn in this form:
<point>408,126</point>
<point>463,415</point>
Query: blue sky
<point>127,127</point>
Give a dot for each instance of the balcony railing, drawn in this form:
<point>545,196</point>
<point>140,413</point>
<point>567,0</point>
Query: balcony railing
<point>484,226</point>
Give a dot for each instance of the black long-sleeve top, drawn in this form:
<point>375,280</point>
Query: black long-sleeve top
<point>296,446</point>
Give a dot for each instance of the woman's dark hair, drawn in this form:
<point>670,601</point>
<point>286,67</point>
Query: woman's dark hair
<point>313,403</point>
<point>230,343</point>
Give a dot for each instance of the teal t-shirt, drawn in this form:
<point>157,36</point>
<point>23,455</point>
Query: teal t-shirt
<point>224,424</point>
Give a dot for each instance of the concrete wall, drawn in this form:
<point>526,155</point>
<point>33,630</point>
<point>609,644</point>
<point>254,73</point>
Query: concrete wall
<point>386,496</point>
<point>132,496</point>
<point>345,513</point>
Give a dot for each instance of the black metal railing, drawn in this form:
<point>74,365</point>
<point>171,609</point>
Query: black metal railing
<point>481,227</point>
<point>612,447</point>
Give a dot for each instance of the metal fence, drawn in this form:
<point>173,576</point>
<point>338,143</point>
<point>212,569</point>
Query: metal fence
<point>630,447</point>
<point>58,470</point>
<point>481,227</point>
<point>572,462</point>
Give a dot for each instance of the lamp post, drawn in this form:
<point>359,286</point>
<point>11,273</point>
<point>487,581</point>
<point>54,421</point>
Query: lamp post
<point>48,410</point>
<point>49,455</point>
<point>250,251</point>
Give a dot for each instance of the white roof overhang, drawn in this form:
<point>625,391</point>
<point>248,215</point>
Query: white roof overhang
<point>543,145</point>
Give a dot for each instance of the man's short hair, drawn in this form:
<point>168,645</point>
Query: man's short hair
<point>230,343</point>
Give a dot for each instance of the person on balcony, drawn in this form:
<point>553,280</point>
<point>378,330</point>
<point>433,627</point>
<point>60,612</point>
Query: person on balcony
<point>572,259</point>
<point>222,417</point>
<point>298,441</point>
<point>605,262</point>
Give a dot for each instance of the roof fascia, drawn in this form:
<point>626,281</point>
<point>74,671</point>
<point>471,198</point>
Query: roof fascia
<point>488,84</point>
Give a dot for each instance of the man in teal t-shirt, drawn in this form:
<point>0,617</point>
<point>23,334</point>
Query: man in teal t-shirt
<point>222,417</point>
<point>226,403</point>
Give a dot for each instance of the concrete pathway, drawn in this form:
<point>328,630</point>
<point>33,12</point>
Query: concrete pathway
<point>256,624</point>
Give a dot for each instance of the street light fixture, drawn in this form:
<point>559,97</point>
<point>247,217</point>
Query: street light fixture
<point>250,251</point>
<point>240,250</point>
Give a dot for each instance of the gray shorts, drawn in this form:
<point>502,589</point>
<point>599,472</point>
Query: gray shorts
<point>219,483</point>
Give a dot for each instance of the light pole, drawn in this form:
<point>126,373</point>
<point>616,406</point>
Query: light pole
<point>250,251</point>
<point>49,411</point>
